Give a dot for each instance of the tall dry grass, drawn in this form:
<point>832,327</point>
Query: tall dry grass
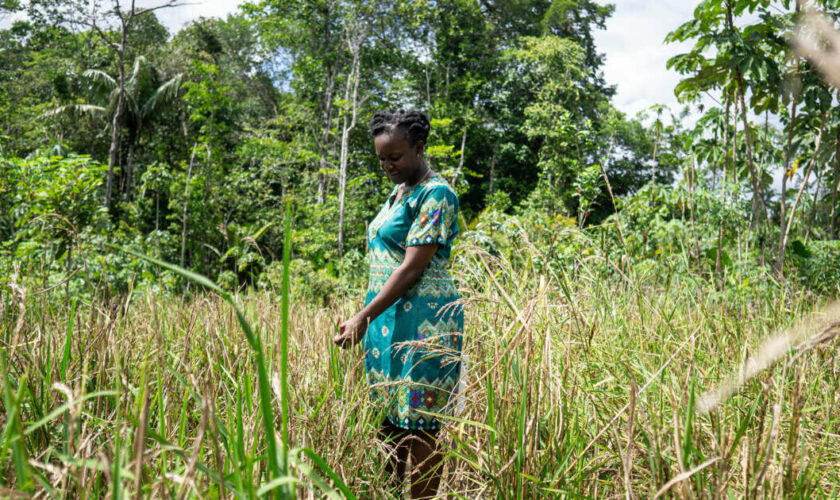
<point>581,384</point>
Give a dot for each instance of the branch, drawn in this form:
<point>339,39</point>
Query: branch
<point>169,4</point>
<point>804,180</point>
<point>92,24</point>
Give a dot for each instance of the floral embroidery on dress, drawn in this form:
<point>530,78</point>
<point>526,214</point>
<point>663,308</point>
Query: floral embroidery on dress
<point>429,399</point>
<point>414,398</point>
<point>433,224</point>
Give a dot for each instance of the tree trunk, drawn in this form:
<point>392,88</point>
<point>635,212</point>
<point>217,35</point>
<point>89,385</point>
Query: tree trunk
<point>129,170</point>
<point>814,205</point>
<point>780,259</point>
<point>345,138</point>
<point>461,161</point>
<point>758,194</point>
<point>115,122</point>
<point>801,189</point>
<point>428,87</point>
<point>157,209</point>
<point>185,213</point>
<point>492,170</point>
<point>762,257</point>
<point>718,262</point>
<point>692,185</point>
<point>832,219</point>
<point>325,137</point>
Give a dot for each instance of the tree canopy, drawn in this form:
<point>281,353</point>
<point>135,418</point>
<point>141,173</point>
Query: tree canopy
<point>205,133</point>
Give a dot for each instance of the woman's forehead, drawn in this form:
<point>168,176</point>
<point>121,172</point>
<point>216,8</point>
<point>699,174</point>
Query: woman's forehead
<point>390,142</point>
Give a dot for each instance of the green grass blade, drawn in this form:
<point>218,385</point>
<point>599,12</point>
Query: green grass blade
<point>284,338</point>
<point>256,345</point>
<point>275,483</point>
<point>12,432</point>
<point>67,342</point>
<point>317,460</point>
<point>66,406</point>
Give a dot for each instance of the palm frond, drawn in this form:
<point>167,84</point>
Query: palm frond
<point>164,94</point>
<point>88,110</point>
<point>141,78</point>
<point>139,63</point>
<point>100,80</point>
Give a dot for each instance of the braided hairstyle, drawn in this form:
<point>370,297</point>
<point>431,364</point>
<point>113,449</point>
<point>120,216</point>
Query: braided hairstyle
<point>413,124</point>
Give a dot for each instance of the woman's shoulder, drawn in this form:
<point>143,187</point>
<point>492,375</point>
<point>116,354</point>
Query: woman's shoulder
<point>438,186</point>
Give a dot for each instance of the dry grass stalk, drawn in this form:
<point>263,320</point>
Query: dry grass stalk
<point>769,453</point>
<point>797,401</point>
<point>631,428</point>
<point>565,387</point>
<point>140,442</point>
<point>817,40</point>
<point>683,476</point>
<point>187,478</point>
<point>627,406</point>
<point>770,352</point>
<point>20,291</point>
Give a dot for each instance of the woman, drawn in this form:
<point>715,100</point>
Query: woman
<point>413,338</point>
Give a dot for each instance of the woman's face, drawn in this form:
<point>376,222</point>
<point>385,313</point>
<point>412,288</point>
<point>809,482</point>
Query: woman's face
<point>400,160</point>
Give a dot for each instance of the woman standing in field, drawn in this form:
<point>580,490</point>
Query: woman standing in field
<point>411,329</point>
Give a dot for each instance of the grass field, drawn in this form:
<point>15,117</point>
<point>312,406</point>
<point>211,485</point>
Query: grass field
<point>579,386</point>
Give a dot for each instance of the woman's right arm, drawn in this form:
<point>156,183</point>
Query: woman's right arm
<point>404,277</point>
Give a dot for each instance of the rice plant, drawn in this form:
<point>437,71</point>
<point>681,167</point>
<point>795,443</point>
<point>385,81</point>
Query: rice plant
<point>582,383</point>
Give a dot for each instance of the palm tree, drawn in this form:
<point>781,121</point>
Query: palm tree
<point>145,96</point>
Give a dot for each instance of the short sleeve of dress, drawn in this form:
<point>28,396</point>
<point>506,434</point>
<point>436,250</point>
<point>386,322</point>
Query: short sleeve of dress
<point>436,218</point>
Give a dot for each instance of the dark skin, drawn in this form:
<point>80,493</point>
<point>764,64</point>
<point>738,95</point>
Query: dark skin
<point>404,164</point>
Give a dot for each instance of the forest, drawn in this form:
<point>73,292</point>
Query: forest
<point>650,300</point>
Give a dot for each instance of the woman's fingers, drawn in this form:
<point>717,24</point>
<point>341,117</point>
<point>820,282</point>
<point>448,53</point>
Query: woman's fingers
<point>349,333</point>
<point>337,338</point>
<point>343,336</point>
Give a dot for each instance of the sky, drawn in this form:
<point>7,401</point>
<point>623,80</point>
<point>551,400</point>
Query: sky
<point>175,18</point>
<point>636,52</point>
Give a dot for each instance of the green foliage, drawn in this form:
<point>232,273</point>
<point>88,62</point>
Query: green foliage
<point>225,121</point>
<point>50,207</point>
<point>817,266</point>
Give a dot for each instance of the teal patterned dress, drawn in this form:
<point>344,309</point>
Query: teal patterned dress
<point>412,350</point>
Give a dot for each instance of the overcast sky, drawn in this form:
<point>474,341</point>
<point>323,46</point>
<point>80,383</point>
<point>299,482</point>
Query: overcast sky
<point>636,53</point>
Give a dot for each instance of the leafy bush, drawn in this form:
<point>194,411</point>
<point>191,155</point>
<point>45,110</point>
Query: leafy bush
<point>817,266</point>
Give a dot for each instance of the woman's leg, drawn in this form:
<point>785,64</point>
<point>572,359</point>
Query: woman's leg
<point>425,464</point>
<point>395,443</point>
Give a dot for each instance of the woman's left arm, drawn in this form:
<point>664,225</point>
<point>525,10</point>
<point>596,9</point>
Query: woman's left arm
<point>401,280</point>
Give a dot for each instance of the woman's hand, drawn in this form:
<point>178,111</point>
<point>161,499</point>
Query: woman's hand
<point>351,332</point>
<point>416,260</point>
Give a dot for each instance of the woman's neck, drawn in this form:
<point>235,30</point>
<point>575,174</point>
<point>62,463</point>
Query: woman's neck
<point>426,172</point>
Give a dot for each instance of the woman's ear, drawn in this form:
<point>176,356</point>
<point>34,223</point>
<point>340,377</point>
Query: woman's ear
<point>419,148</point>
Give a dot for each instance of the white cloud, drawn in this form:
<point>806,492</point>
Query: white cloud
<point>176,18</point>
<point>636,52</point>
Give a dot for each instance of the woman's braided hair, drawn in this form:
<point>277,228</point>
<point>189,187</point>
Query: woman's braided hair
<point>414,124</point>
